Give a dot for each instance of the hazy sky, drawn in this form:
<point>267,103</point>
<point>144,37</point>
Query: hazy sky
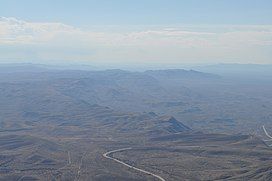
<point>130,31</point>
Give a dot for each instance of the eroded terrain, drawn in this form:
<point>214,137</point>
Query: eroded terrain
<point>57,126</point>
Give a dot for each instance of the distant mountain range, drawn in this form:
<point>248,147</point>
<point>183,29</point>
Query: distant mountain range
<point>249,71</point>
